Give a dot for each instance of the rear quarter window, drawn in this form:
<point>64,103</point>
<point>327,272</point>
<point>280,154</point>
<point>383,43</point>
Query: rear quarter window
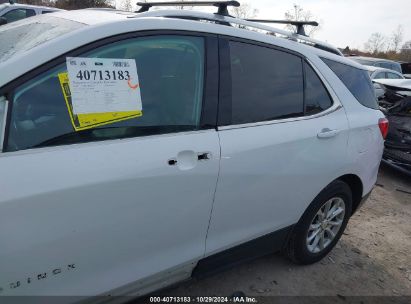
<point>317,98</point>
<point>357,81</point>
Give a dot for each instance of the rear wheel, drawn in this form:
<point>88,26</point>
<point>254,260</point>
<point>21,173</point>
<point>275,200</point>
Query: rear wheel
<point>321,225</point>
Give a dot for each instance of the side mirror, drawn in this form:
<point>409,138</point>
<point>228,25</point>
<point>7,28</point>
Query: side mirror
<point>3,21</point>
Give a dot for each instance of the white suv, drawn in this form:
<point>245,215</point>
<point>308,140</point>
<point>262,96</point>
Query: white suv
<point>139,150</point>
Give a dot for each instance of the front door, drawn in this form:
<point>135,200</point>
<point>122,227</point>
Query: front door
<point>86,211</point>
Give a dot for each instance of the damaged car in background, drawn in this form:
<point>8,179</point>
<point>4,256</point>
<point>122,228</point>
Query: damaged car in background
<point>396,105</point>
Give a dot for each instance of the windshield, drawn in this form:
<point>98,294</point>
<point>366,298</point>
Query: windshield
<point>363,61</point>
<point>2,7</point>
<point>21,36</point>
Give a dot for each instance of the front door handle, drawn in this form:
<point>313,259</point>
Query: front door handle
<point>204,156</point>
<point>327,133</point>
<point>188,159</point>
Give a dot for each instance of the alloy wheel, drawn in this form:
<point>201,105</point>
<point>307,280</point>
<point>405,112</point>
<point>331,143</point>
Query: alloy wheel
<point>325,224</point>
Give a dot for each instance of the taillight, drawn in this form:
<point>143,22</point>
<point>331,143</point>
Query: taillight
<point>383,124</point>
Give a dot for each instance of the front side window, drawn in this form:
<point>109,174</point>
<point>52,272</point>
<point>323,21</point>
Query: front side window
<point>171,76</point>
<point>266,84</point>
<point>357,82</point>
<point>18,14</point>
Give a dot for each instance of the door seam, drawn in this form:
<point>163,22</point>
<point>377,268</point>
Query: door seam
<point>214,195</point>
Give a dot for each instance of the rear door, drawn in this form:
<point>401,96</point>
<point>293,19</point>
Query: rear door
<point>122,204</point>
<point>283,139</point>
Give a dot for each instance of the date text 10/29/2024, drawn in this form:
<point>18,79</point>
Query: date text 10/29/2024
<point>232,299</point>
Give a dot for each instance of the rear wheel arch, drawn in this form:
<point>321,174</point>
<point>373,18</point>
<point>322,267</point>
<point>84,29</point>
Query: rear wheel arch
<point>297,246</point>
<point>355,183</point>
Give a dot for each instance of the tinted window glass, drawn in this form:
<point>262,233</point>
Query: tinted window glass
<point>390,66</point>
<point>170,70</point>
<point>380,75</point>
<point>406,68</point>
<point>357,81</point>
<point>266,84</point>
<point>317,98</point>
<point>386,65</point>
<point>393,76</point>
<point>18,14</point>
<point>397,67</point>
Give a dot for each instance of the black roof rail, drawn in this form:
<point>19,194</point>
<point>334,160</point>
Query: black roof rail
<point>298,24</point>
<point>222,5</point>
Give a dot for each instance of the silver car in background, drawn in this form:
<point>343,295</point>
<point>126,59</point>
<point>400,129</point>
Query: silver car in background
<point>11,12</point>
<point>381,73</point>
<point>378,62</point>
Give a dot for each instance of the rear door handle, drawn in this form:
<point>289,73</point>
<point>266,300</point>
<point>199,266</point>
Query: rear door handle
<point>327,133</point>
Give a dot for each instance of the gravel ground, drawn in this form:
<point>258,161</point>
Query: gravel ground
<point>373,257</point>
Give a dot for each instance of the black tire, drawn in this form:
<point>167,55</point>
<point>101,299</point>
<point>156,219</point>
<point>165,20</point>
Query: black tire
<point>296,248</point>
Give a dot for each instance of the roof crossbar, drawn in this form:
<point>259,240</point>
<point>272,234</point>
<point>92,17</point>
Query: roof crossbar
<point>299,24</point>
<point>221,19</point>
<point>222,5</point>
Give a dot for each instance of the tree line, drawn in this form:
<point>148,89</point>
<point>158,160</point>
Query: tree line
<point>389,47</point>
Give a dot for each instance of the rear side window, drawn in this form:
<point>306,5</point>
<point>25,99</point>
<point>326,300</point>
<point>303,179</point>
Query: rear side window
<point>390,66</point>
<point>357,82</point>
<point>317,98</point>
<point>266,84</point>
<point>171,76</point>
<point>393,76</point>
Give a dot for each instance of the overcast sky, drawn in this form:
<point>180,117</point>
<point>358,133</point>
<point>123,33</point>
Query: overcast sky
<point>344,22</point>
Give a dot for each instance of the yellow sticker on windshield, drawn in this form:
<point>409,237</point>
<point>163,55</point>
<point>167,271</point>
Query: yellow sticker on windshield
<point>91,120</point>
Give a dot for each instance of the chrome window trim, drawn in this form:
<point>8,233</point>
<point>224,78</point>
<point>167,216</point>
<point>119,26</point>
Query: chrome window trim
<point>335,107</point>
